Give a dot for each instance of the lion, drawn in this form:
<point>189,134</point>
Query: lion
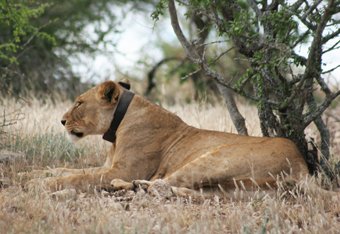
<point>150,143</point>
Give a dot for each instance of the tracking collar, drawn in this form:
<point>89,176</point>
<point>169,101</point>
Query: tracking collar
<point>118,116</point>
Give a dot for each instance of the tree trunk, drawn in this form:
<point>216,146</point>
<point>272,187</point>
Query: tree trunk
<point>235,115</point>
<point>237,118</point>
<point>322,128</point>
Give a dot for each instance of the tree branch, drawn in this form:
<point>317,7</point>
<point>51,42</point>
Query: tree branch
<point>316,44</point>
<point>185,3</point>
<point>207,71</point>
<point>330,36</point>
<point>311,9</point>
<point>320,109</point>
<point>151,73</point>
<point>330,70</point>
<point>235,115</point>
<point>297,4</point>
<point>215,18</point>
<point>190,74</point>
<point>253,5</point>
<point>217,58</point>
<point>214,75</point>
<point>178,31</point>
<point>307,23</point>
<point>214,42</point>
<point>332,47</point>
<point>301,38</point>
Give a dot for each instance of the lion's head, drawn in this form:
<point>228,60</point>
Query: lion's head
<point>92,112</point>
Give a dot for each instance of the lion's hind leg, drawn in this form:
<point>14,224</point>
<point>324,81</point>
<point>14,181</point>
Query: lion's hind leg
<point>218,174</point>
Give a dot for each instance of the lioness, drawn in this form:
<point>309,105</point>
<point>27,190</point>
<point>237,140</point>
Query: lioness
<point>149,143</point>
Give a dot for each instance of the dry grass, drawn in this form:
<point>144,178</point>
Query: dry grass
<point>40,137</point>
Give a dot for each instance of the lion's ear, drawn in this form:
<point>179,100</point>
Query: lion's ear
<point>124,82</point>
<point>108,91</point>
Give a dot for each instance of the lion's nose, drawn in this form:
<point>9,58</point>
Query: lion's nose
<point>63,122</point>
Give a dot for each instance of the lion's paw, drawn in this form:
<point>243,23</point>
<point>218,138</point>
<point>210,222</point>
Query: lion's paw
<point>119,184</point>
<point>143,184</point>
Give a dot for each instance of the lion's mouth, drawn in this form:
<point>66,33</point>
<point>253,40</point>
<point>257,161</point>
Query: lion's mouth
<point>78,134</point>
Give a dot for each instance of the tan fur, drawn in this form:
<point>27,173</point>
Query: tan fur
<point>153,143</point>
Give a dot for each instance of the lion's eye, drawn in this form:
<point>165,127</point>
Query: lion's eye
<point>78,104</point>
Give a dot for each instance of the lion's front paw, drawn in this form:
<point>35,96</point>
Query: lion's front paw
<point>143,184</point>
<point>119,184</point>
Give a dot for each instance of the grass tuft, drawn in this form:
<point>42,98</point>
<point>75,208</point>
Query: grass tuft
<point>48,148</point>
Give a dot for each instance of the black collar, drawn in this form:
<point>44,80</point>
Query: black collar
<point>118,116</point>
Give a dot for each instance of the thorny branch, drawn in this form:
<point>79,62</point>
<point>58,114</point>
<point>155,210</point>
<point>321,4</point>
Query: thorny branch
<point>204,67</point>
<point>300,39</point>
<point>218,57</point>
<point>320,109</point>
<point>253,5</point>
<point>316,44</point>
<point>175,25</point>
<point>199,59</point>
<point>28,41</point>
<point>331,70</point>
<point>330,36</point>
<point>311,9</point>
<point>332,47</point>
<point>151,73</point>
